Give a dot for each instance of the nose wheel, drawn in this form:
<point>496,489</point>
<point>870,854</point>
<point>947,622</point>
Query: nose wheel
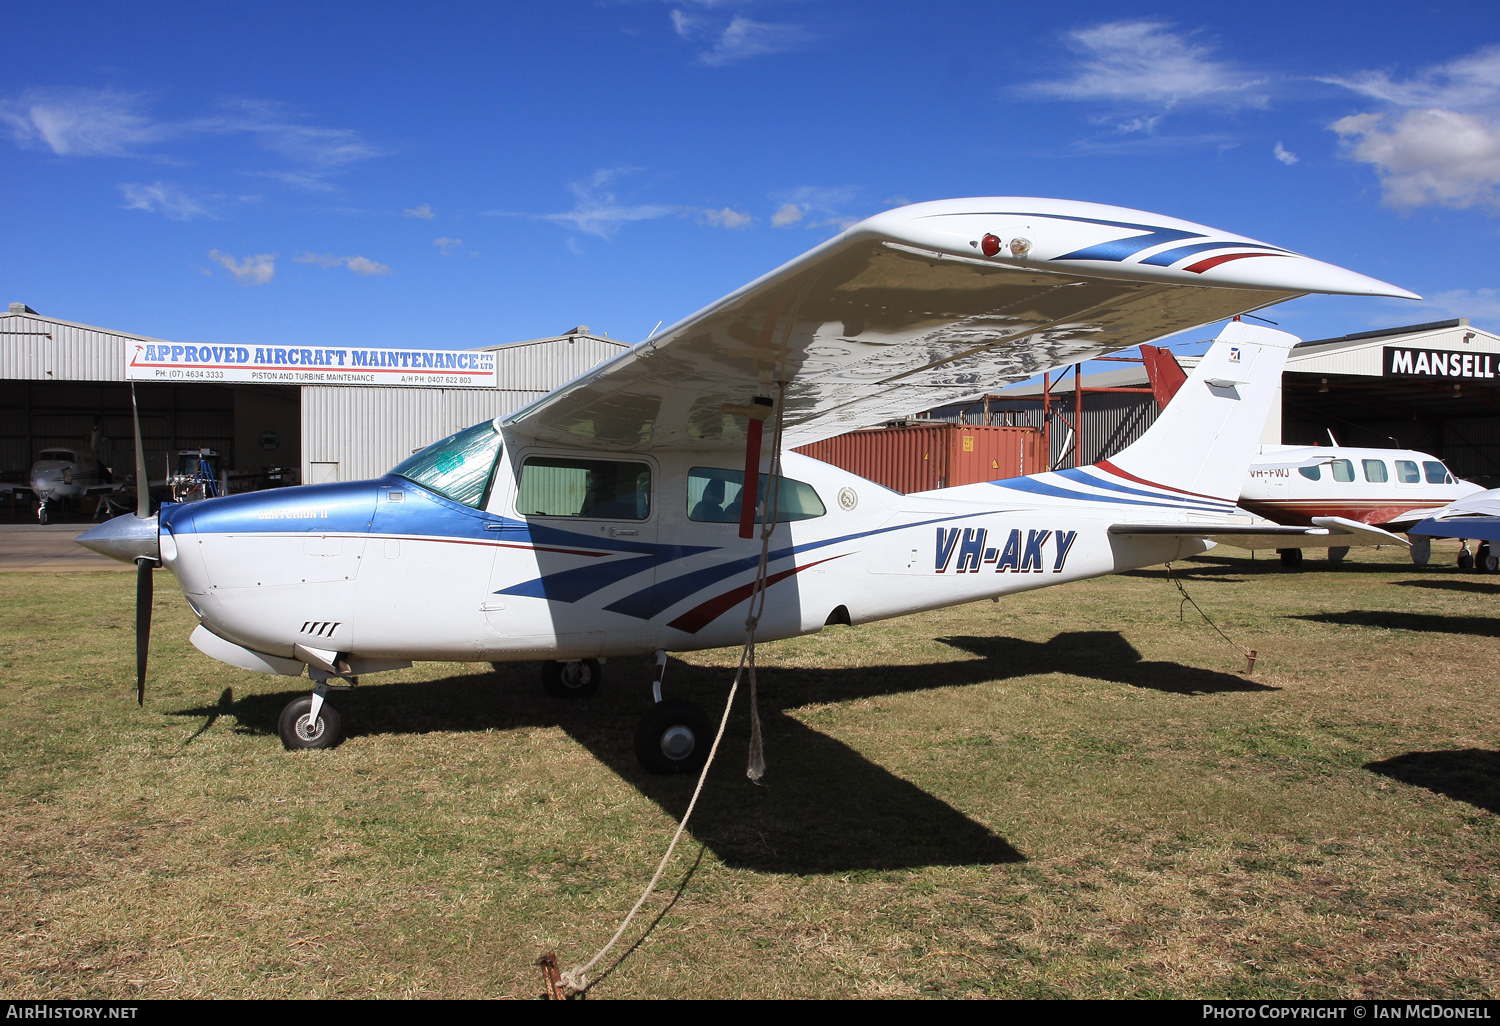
<point>303,726</point>
<point>576,679</point>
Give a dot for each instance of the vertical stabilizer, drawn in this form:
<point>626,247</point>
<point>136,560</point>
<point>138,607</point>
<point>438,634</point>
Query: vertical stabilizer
<point>1203,441</point>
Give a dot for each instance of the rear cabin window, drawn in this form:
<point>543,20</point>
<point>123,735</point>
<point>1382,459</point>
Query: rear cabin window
<point>1311,473</point>
<point>713,497</point>
<point>460,467</point>
<point>554,486</point>
<point>1375,471</point>
<point>1407,473</point>
<point>1343,470</point>
<point>1436,472</point>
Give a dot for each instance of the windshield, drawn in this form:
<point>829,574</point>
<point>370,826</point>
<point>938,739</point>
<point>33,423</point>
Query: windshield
<point>56,454</point>
<point>460,467</point>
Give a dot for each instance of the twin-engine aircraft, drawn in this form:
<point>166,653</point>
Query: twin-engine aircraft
<point>609,519</point>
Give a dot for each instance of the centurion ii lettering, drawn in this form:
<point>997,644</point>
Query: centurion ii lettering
<point>1438,363</point>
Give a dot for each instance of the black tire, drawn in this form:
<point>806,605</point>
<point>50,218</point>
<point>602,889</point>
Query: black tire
<point>1465,561</point>
<point>1290,557</point>
<point>293,727</point>
<point>1484,561</point>
<point>674,737</point>
<point>577,679</point>
<point>1336,553</point>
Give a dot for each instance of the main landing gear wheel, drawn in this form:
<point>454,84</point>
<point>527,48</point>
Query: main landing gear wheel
<point>1485,561</point>
<point>298,731</point>
<point>1290,557</point>
<point>674,737</point>
<point>577,679</point>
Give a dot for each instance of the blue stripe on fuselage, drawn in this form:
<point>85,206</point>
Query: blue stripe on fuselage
<point>1079,475</point>
<point>1028,484</point>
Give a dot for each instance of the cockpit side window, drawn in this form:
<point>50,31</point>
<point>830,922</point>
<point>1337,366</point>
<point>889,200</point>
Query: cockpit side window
<point>461,467</point>
<point>1436,472</point>
<point>714,497</point>
<point>553,486</point>
<point>1343,470</point>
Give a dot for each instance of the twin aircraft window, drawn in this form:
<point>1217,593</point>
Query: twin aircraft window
<point>596,489</point>
<point>713,497</point>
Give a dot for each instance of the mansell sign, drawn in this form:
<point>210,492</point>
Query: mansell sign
<point>277,365</point>
<point>1438,363</point>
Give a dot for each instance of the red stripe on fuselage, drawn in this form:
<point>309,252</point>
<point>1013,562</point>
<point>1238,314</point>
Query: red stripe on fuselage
<point>1212,262</point>
<point>1109,467</point>
<point>700,616</point>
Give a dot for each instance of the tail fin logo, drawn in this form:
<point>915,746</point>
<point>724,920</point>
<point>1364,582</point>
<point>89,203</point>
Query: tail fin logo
<point>1234,354</point>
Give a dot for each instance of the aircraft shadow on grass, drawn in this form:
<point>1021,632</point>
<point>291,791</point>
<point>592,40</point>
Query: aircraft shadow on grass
<point>823,807</point>
<point>1471,587</point>
<point>1470,775</point>
<point>1430,623</point>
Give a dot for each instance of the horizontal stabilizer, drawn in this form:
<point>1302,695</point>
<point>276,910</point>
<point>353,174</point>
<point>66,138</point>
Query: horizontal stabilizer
<point>1334,532</point>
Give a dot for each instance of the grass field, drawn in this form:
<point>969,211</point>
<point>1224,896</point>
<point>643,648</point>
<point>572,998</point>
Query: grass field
<point>1069,793</point>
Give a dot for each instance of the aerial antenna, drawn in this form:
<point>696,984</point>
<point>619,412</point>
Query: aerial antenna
<point>1268,321</point>
<point>653,331</point>
<point>1331,440</point>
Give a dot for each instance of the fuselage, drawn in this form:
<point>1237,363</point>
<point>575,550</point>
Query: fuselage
<point>391,569</point>
<point>1379,487</point>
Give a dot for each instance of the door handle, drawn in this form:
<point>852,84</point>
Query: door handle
<point>617,531</point>
<point>491,607</point>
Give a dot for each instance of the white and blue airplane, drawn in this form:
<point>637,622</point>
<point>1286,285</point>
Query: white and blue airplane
<point>606,519</point>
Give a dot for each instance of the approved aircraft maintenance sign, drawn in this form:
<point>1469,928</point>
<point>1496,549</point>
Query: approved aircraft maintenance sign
<point>278,365</point>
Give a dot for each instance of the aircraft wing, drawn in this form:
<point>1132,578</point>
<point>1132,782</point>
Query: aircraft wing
<point>1473,516</point>
<point>1329,531</point>
<point>920,307</point>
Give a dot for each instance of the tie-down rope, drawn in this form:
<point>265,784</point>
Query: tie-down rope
<point>576,979</point>
<point>1248,653</point>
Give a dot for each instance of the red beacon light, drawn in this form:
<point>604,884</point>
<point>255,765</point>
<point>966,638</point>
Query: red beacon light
<point>989,245</point>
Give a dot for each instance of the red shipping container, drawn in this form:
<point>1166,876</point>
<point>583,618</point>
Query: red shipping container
<point>918,459</point>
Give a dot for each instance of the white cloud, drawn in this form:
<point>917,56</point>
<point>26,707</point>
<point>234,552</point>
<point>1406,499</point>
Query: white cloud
<point>447,246</point>
<point>81,122</point>
<point>424,212</point>
<point>1141,61</point>
<point>363,265</point>
<point>596,211</point>
<point>1438,141</point>
<point>357,264</point>
<point>1284,155</point>
<point>743,39</point>
<point>105,123</point>
<point>727,218</point>
<point>163,198</point>
<point>789,213</point>
<point>1468,83</point>
<point>1428,157</point>
<point>1475,304</point>
<point>252,270</point>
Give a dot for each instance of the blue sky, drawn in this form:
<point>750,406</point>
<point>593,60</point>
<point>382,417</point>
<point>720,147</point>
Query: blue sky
<point>471,174</point>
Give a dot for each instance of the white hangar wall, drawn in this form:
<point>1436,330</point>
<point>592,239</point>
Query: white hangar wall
<point>356,432</point>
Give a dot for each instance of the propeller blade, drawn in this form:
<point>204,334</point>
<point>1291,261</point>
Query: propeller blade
<point>142,483</point>
<point>143,587</point>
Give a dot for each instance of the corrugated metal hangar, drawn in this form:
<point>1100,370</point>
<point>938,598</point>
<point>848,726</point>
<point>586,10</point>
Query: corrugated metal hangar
<point>325,415</point>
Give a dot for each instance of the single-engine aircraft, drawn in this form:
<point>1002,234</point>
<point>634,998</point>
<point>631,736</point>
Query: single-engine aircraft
<point>608,518</point>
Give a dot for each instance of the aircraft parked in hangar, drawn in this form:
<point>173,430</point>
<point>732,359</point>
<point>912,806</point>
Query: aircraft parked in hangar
<point>1387,488</point>
<point>62,475</point>
<point>600,520</point>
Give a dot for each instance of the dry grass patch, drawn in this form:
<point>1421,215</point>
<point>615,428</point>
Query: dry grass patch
<point>1070,793</point>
